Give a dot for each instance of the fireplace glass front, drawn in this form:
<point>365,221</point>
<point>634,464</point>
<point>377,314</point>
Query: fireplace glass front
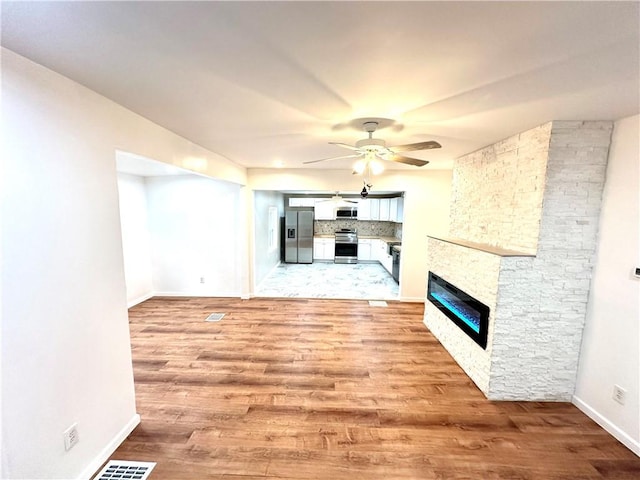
<point>469,314</point>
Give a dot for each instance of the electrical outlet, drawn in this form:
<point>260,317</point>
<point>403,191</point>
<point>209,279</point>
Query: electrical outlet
<point>71,437</point>
<point>619,394</point>
<point>201,279</point>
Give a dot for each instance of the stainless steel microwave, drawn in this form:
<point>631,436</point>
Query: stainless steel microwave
<point>343,213</point>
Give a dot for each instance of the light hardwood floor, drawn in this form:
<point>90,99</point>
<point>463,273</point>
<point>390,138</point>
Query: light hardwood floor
<point>335,389</point>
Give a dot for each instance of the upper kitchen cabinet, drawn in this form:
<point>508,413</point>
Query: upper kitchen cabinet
<point>385,205</point>
<point>301,202</point>
<point>400,211</point>
<point>374,208</point>
<point>393,209</point>
<point>364,209</point>
<point>325,210</point>
<point>396,209</point>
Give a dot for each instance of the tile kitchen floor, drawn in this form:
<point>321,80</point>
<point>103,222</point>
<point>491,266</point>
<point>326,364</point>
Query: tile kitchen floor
<point>366,281</point>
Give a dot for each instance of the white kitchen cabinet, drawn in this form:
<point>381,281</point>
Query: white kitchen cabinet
<point>377,249</point>
<point>387,263</point>
<point>364,209</point>
<point>384,209</point>
<point>374,208</point>
<point>380,252</point>
<point>400,214</point>
<point>323,248</point>
<point>364,248</point>
<point>393,209</point>
<point>301,202</point>
<point>324,210</point>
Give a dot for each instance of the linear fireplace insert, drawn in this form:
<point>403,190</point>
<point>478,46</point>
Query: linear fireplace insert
<point>469,314</point>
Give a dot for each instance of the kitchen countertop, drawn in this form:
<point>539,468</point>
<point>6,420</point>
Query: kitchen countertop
<point>384,239</point>
<point>369,237</point>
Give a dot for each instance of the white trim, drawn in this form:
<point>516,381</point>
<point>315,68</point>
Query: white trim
<point>195,294</point>
<point>411,299</point>
<point>111,447</point>
<point>138,300</point>
<point>615,431</point>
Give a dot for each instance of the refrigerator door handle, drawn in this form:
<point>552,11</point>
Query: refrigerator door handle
<point>291,233</point>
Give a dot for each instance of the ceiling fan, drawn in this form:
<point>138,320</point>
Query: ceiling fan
<point>377,148</point>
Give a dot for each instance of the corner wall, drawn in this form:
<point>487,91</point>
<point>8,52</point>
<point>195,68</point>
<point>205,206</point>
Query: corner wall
<point>194,225</point>
<point>66,355</point>
<point>610,352</point>
<point>265,259</point>
<point>136,242</point>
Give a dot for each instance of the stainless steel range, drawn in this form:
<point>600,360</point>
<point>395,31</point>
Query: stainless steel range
<point>346,246</point>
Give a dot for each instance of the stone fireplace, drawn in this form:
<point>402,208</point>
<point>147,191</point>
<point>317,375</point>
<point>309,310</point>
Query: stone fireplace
<point>523,230</point>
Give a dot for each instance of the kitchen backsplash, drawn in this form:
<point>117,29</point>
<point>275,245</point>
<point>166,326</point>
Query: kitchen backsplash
<point>363,227</point>
<point>398,230</point>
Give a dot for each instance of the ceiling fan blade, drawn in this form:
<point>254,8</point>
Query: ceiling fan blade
<point>406,160</point>
<point>332,158</point>
<point>350,147</point>
<point>410,147</point>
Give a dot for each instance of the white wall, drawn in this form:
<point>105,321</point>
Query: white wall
<point>136,242</point>
<point>194,223</point>
<point>426,208</point>
<point>65,341</point>
<point>610,351</point>
<point>265,258</point>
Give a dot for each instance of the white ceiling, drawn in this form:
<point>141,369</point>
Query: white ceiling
<point>260,82</point>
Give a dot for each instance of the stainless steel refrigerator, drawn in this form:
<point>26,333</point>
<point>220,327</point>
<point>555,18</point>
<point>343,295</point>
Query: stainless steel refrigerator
<point>298,235</point>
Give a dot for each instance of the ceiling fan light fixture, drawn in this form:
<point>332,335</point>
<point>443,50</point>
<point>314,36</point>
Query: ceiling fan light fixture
<point>376,167</point>
<point>376,148</point>
<point>359,166</point>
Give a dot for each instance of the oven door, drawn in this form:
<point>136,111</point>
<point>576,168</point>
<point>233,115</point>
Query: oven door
<point>346,253</point>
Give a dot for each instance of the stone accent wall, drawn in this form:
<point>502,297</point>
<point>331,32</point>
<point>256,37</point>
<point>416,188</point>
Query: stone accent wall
<point>536,326</point>
<point>497,192</point>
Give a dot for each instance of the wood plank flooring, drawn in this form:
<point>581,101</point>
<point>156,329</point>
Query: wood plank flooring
<point>332,389</point>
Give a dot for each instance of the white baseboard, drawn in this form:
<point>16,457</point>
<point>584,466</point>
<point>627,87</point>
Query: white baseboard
<point>412,299</point>
<point>195,294</point>
<point>138,300</point>
<point>618,434</point>
<point>111,447</point>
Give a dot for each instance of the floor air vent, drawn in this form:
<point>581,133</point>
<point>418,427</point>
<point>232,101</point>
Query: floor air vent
<point>123,470</point>
<point>377,303</point>
<point>214,317</point>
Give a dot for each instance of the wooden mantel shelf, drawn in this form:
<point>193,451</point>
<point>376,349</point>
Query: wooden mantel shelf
<point>483,247</point>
